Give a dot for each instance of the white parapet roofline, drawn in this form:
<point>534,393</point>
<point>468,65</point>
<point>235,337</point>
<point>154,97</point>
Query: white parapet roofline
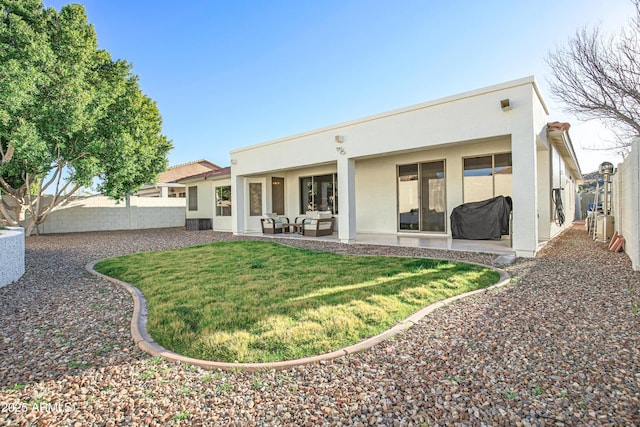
<point>530,80</point>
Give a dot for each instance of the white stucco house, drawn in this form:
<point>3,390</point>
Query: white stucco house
<point>208,200</point>
<point>402,172</point>
<point>168,182</point>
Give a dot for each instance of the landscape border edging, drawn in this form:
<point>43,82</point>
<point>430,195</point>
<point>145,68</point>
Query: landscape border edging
<point>144,341</point>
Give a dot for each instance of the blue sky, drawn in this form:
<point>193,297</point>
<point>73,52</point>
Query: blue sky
<point>227,74</point>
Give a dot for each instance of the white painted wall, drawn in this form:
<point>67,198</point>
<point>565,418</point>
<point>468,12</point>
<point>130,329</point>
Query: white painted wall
<point>553,173</point>
<point>543,189</point>
<point>11,255</point>
<point>626,202</point>
<point>207,202</point>
<point>205,199</point>
<point>100,213</point>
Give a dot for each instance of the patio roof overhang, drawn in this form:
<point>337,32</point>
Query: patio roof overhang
<point>558,135</point>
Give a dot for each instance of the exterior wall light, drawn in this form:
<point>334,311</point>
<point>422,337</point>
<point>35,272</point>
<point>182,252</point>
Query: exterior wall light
<point>339,138</point>
<point>341,150</point>
<point>505,104</point>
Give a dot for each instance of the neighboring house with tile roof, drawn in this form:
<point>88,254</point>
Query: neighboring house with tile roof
<point>169,183</point>
<point>209,200</point>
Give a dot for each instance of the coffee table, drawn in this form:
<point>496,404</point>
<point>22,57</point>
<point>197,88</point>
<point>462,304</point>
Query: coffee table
<point>293,227</point>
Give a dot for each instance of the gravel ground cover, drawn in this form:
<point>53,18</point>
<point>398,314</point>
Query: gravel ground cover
<point>559,346</point>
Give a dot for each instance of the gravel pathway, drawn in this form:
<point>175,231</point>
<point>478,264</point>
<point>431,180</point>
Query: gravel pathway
<point>560,346</point>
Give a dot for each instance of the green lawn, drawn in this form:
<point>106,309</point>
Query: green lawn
<point>256,301</point>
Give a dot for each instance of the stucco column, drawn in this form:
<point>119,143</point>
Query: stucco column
<point>525,192</point>
<point>544,198</point>
<point>346,200</point>
<point>237,205</point>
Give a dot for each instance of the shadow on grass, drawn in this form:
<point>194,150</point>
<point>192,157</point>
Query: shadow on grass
<point>222,292</point>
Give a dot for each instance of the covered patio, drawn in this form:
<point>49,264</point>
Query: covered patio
<point>395,178</point>
<point>498,247</point>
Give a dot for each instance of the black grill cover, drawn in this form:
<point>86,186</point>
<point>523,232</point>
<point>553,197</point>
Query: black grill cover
<point>487,219</point>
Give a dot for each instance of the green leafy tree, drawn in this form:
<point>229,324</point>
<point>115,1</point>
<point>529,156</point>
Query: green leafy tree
<point>70,116</point>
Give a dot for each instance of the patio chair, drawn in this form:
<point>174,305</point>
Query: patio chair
<point>271,223</point>
<point>316,223</point>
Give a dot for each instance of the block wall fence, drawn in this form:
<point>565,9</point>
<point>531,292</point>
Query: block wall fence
<point>626,203</point>
<point>100,213</point>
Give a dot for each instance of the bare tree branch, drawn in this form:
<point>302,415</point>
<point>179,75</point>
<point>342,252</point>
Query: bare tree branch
<point>6,215</point>
<point>599,78</point>
<point>56,176</point>
<point>6,186</point>
<point>6,154</point>
<point>61,199</point>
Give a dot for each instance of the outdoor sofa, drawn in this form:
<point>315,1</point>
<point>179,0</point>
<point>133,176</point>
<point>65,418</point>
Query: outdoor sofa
<point>316,223</point>
<point>272,223</point>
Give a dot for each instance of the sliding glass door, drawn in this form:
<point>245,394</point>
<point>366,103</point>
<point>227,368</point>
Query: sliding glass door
<point>408,202</point>
<point>433,196</point>
<point>421,197</point>
<point>319,193</point>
